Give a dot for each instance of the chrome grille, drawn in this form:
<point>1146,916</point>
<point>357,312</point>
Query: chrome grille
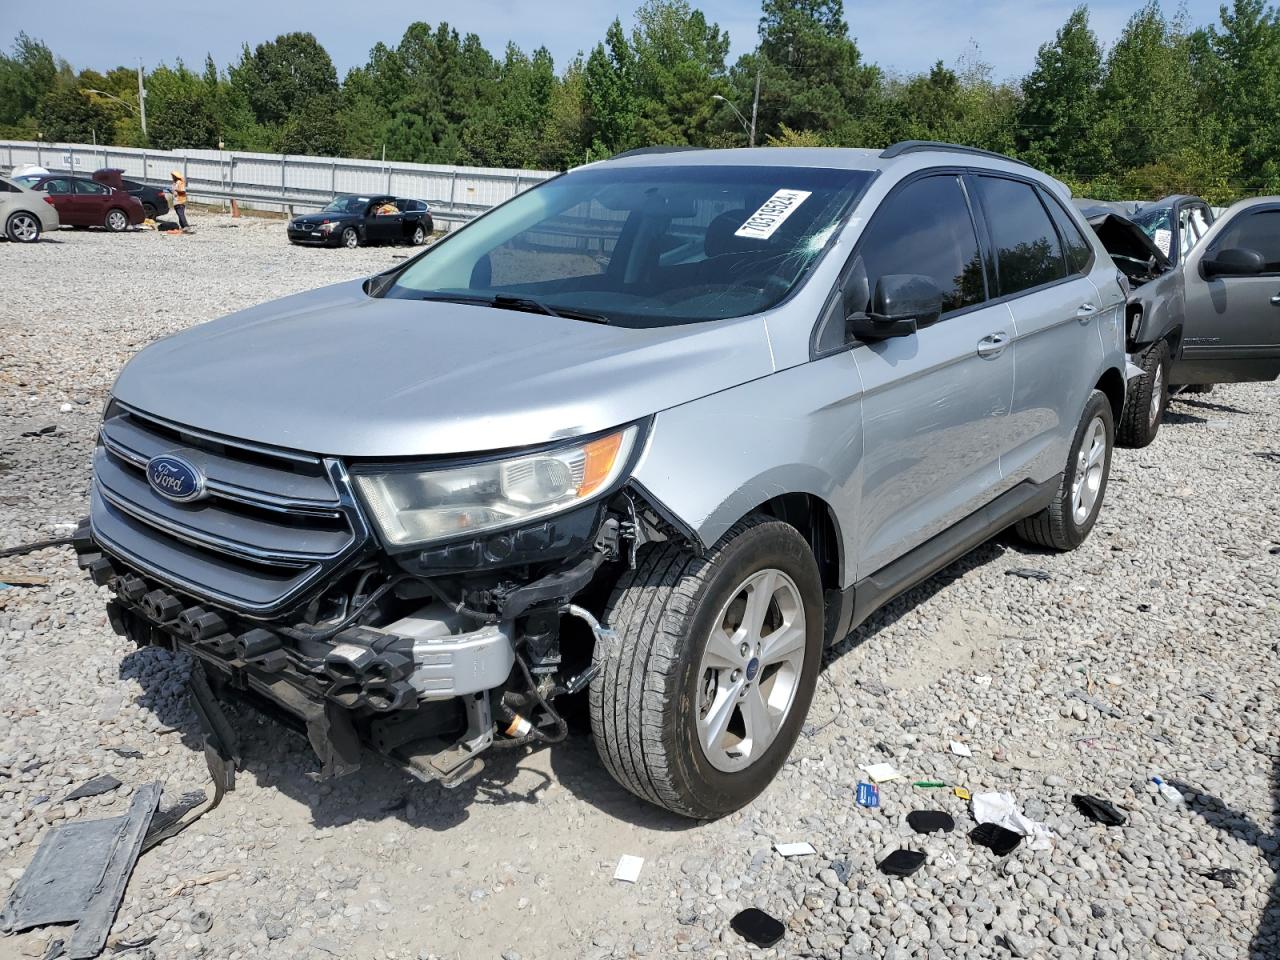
<point>273,522</point>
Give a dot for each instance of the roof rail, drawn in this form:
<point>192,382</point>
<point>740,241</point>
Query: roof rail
<point>641,151</point>
<point>919,146</point>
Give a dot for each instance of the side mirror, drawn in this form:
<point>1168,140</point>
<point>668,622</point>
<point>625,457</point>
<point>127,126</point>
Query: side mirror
<point>902,303</point>
<point>1233,262</point>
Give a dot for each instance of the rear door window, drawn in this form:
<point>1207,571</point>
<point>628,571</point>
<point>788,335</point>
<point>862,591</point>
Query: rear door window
<point>57,187</point>
<point>1079,251</point>
<point>1028,253</point>
<point>926,229</point>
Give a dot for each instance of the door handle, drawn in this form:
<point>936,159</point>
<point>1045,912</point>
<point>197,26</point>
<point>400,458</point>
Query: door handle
<point>1085,312</point>
<point>1275,301</point>
<point>992,345</point>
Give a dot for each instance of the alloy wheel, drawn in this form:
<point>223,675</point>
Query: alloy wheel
<point>750,670</point>
<point>117,220</point>
<point>350,239</point>
<point>1090,463</point>
<point>24,227</point>
<point>1157,392</point>
<point>418,237</point>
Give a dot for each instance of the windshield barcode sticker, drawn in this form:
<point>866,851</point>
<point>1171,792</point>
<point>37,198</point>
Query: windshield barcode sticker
<point>761,224</point>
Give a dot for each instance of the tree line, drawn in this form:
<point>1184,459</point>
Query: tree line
<point>1169,107</point>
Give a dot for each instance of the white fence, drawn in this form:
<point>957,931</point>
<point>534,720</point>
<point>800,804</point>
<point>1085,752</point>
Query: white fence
<point>276,181</point>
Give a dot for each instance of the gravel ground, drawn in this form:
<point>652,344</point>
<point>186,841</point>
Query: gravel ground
<point>1167,616</point>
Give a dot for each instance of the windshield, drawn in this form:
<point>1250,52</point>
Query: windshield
<point>1157,224</point>
<point>644,246</point>
<point>346,205</point>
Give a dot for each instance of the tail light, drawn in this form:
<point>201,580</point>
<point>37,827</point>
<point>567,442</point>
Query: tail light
<point>49,200</point>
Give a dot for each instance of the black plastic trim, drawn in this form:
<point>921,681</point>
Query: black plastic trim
<point>904,147</point>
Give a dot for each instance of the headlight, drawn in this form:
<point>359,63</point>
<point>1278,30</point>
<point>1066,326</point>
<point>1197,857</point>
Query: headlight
<point>419,506</point>
<point>328,226</point>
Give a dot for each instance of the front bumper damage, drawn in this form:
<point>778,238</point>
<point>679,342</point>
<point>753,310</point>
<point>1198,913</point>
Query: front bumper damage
<point>430,689</point>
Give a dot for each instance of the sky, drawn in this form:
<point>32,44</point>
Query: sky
<point>900,37</point>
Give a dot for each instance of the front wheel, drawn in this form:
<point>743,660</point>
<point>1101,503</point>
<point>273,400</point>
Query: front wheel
<point>23,227</point>
<point>419,236</point>
<point>350,238</point>
<point>1066,522</point>
<point>1146,400</point>
<point>117,220</point>
<point>700,699</point>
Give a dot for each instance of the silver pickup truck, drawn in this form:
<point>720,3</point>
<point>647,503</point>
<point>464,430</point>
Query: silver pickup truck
<point>651,433</point>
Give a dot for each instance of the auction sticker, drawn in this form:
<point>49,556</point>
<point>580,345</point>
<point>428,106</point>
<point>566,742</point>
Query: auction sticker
<point>772,214</point>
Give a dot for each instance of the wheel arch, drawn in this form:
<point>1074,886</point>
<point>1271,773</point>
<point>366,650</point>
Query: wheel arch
<point>1112,384</point>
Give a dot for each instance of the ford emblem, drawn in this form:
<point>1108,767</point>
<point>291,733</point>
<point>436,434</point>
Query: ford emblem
<point>173,477</point>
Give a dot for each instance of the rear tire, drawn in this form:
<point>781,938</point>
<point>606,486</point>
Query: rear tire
<point>1198,388</point>
<point>22,227</point>
<point>1066,522</point>
<point>419,236</point>
<point>672,718</point>
<point>1146,401</point>
<point>117,220</point>
<point>149,211</point>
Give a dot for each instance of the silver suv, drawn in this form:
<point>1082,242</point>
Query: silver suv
<point>653,433</point>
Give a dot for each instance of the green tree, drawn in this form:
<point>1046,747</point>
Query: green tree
<point>609,90</point>
<point>1055,125</point>
<point>68,116</point>
<point>281,76</point>
<point>26,76</point>
<point>679,68</point>
<point>180,110</point>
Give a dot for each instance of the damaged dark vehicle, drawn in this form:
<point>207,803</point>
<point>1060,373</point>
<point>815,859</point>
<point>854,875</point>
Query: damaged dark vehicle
<point>1204,302</point>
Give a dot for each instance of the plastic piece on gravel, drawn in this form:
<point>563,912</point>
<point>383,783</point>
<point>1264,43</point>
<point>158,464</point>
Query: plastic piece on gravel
<point>1098,810</point>
<point>930,821</point>
<point>93,788</point>
<point>929,784</point>
<point>868,795</point>
<point>78,875</point>
<point>757,927</point>
<point>628,868</point>
<point>1170,793</point>
<point>1096,702</point>
<point>880,772</point>
<point>1029,573</point>
<point>995,838</point>
<point>961,749</point>
<point>1224,875</point>
<point>800,849</point>
<point>963,794</point>
<point>1001,810</point>
<point>902,863</point>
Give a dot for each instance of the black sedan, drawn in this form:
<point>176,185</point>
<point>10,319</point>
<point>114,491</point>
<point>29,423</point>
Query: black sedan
<point>350,220</point>
<point>155,203</point>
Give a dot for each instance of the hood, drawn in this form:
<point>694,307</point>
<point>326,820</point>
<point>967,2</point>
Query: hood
<point>1134,253</point>
<point>321,217</point>
<point>336,372</point>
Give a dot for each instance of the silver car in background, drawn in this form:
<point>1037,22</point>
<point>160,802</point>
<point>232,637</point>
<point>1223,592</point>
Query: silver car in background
<point>24,214</point>
<point>653,432</point>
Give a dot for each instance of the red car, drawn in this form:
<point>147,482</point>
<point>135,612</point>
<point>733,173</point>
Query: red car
<point>82,202</point>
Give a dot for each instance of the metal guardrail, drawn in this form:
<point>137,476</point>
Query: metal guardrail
<point>455,193</point>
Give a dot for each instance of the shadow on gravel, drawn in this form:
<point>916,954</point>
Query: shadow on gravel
<point>1265,944</point>
<point>279,757</point>
<point>1180,418</point>
<point>1215,407</point>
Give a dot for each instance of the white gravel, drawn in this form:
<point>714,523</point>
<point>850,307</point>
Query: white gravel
<point>1168,615</point>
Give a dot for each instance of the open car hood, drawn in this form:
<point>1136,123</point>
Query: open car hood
<point>1133,252</point>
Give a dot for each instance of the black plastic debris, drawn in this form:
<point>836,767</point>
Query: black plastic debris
<point>902,863</point>
<point>127,754</point>
<point>995,838</point>
<point>41,431</point>
<point>1096,702</point>
<point>1029,573</point>
<point>93,788</point>
<point>79,874</point>
<point>757,927</point>
<point>1224,875</point>
<point>930,821</point>
<point>1144,608</point>
<point>1098,810</point>
<point>1274,551</point>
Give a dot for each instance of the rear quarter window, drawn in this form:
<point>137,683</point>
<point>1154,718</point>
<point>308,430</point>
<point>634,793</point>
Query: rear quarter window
<point>1028,253</point>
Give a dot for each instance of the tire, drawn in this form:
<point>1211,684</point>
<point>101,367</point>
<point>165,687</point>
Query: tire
<point>149,211</point>
<point>117,220</point>
<point>651,700</point>
<point>419,236</point>
<point>1146,401</point>
<point>22,227</point>
<point>1198,388</point>
<point>350,238</point>
<point>1063,525</point>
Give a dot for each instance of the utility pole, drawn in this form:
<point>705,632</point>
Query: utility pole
<point>142,99</point>
<point>755,108</point>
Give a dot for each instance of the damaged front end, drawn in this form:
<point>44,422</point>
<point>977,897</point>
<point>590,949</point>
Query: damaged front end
<point>319,591</point>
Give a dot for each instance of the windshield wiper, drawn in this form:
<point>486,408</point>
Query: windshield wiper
<point>505,301</point>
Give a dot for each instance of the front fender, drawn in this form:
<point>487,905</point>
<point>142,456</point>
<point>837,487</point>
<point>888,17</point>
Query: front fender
<point>712,461</point>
